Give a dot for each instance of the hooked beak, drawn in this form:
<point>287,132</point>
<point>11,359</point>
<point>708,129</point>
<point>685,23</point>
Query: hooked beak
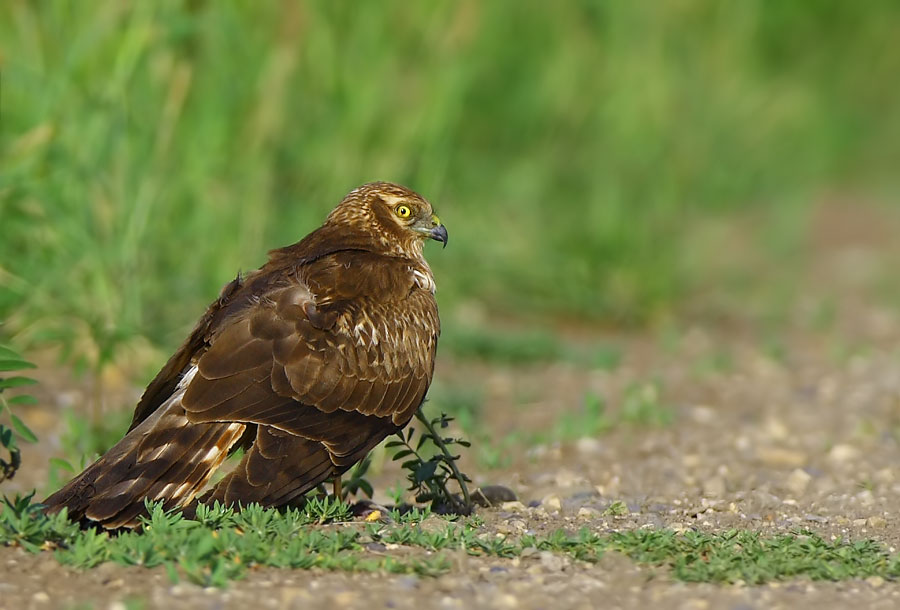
<point>439,232</point>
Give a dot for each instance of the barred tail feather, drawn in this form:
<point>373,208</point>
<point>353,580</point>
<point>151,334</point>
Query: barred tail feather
<point>166,458</point>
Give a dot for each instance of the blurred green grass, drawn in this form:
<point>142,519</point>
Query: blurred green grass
<point>150,150</point>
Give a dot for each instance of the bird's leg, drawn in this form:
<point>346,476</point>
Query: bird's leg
<point>336,482</point>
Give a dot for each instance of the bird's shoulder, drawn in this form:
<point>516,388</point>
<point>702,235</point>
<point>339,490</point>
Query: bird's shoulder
<point>345,332</point>
<point>350,296</point>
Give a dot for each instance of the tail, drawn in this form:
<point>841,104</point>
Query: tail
<point>166,458</point>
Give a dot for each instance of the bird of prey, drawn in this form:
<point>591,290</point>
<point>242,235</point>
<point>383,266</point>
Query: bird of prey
<point>306,363</point>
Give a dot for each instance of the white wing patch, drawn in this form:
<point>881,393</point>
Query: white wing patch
<point>423,280</point>
<point>183,384</point>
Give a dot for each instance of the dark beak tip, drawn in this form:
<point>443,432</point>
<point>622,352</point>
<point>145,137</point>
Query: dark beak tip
<point>439,233</point>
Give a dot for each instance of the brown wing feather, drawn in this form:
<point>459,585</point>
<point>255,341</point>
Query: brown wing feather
<point>338,358</point>
<point>162,386</point>
<point>275,349</point>
<point>277,468</point>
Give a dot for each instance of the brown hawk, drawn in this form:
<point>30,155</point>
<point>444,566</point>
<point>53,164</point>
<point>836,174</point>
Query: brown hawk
<point>306,363</point>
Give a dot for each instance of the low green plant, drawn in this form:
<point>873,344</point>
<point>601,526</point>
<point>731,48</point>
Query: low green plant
<point>11,365</point>
<point>429,475</point>
<point>591,420</point>
<point>495,453</point>
<point>716,362</point>
<point>641,406</point>
<point>616,509</point>
<point>607,357</point>
<point>753,558</point>
<point>415,514</point>
<point>325,509</point>
<point>22,523</point>
<point>357,482</point>
<point>219,545</point>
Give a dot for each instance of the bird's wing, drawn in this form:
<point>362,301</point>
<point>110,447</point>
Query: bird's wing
<point>316,364</point>
<point>326,366</point>
<point>163,385</point>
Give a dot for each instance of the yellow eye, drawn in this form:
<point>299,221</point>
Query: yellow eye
<point>403,211</point>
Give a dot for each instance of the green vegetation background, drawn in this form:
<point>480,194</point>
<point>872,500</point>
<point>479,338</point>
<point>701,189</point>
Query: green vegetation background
<point>149,150</point>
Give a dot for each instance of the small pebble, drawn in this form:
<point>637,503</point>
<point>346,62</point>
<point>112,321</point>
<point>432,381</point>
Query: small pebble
<point>513,506</point>
<point>843,453</point>
<point>714,487</point>
<point>407,583</point>
<point>876,522</point>
<point>875,581</point>
<point>798,481</point>
<point>778,457</point>
<point>816,518</point>
<point>493,495</point>
<point>587,446</point>
<point>41,597</point>
<point>551,562</point>
<point>551,502</point>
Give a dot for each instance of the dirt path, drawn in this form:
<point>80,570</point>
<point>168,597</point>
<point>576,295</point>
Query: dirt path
<point>808,440</point>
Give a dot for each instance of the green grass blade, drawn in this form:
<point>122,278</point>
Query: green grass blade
<point>23,430</point>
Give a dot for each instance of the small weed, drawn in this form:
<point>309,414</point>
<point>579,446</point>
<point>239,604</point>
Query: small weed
<point>11,362</point>
<point>219,546</point>
<point>396,493</point>
<point>773,347</point>
<point>325,509</point>
<point>607,357</point>
<point>592,420</point>
<point>497,454</point>
<point>428,476</point>
<point>715,363</point>
<point>616,509</point>
<point>23,524</point>
<point>414,515</point>
<point>641,406</point>
<point>357,481</point>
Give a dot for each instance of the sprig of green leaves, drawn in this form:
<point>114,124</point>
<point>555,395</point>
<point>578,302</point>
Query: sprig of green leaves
<point>12,363</point>
<point>429,476</point>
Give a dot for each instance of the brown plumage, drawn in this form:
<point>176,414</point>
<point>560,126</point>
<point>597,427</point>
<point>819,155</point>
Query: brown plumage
<point>307,363</point>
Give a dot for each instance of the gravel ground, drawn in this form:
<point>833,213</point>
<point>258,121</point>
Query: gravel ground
<point>769,439</point>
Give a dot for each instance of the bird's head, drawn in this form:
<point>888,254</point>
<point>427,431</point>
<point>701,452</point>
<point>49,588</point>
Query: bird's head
<point>399,219</point>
